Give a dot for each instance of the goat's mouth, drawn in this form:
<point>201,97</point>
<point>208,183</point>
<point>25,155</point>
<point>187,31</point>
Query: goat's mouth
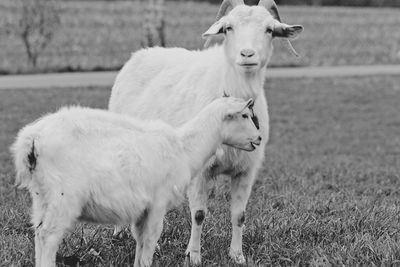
<point>254,144</point>
<point>251,146</point>
<point>247,64</point>
<point>246,147</point>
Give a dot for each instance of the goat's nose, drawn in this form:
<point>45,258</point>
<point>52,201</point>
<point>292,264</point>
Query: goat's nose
<point>259,138</point>
<point>247,52</point>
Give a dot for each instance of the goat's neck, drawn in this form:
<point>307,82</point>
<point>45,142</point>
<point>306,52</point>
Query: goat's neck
<point>243,85</point>
<point>201,137</point>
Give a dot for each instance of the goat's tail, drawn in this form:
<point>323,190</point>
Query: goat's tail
<point>25,154</point>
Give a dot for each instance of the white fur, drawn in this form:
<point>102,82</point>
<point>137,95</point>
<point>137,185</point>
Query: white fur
<point>173,84</point>
<point>102,167</point>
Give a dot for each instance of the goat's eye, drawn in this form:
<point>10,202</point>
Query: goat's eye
<point>229,117</point>
<point>228,28</point>
<point>268,30</point>
<point>245,116</point>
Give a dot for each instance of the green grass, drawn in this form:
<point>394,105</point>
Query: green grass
<point>328,192</point>
<point>101,35</point>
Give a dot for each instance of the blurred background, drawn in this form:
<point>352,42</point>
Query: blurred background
<point>66,35</point>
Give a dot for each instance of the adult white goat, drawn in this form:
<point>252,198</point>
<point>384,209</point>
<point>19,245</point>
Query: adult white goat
<point>173,84</point>
<point>98,166</point>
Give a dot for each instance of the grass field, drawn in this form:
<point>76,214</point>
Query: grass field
<point>328,192</point>
<point>101,35</point>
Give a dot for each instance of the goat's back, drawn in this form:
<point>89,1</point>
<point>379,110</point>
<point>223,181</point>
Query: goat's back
<point>171,84</point>
<point>84,148</point>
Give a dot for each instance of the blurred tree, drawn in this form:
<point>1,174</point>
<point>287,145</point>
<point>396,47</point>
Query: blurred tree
<point>154,24</point>
<point>36,24</point>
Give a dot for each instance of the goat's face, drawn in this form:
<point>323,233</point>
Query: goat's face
<point>248,33</point>
<point>248,43</point>
<point>238,129</point>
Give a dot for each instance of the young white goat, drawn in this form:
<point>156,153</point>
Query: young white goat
<point>102,167</point>
<point>173,84</point>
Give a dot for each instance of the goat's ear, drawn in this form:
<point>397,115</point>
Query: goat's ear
<point>287,31</point>
<point>216,28</point>
<point>250,103</point>
<point>243,105</point>
<point>238,108</point>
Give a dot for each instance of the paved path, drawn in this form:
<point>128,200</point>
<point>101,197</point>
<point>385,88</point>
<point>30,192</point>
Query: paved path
<point>106,78</point>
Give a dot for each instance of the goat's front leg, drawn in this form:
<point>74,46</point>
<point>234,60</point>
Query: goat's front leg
<point>147,231</point>
<point>139,244</point>
<point>137,230</point>
<point>197,195</point>
<point>151,236</point>
<point>240,192</point>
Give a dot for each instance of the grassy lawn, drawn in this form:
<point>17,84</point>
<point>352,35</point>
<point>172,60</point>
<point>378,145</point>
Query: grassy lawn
<point>101,35</point>
<point>329,190</point>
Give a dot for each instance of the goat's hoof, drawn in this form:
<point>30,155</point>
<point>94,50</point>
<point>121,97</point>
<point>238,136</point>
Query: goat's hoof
<point>118,231</point>
<point>118,234</point>
<point>237,256</point>
<point>193,258</point>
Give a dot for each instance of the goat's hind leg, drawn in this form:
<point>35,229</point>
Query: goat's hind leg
<point>50,240</point>
<point>38,247</point>
<point>48,236</point>
<point>56,219</point>
<point>38,211</point>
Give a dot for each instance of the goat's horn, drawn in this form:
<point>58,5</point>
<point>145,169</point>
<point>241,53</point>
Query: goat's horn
<point>225,5</point>
<point>271,6</point>
<point>222,11</point>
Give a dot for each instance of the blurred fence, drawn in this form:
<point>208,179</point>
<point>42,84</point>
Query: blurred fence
<point>100,35</point>
<point>374,3</point>
<point>366,3</point>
